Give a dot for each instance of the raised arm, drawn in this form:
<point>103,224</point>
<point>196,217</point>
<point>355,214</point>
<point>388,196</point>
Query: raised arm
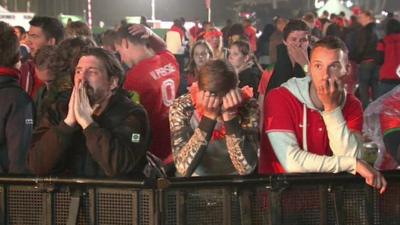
<point>155,41</point>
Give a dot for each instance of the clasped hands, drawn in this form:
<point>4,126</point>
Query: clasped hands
<point>215,106</point>
<point>79,109</point>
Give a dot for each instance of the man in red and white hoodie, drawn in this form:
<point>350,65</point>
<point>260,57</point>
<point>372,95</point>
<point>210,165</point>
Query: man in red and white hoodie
<point>312,125</point>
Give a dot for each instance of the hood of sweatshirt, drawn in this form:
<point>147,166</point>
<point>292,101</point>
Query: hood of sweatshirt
<point>300,87</point>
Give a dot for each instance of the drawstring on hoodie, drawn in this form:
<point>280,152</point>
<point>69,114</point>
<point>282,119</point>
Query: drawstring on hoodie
<point>305,128</point>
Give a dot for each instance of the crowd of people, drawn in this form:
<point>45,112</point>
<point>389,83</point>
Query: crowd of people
<point>204,101</point>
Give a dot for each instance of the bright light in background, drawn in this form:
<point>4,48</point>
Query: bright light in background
<point>318,3</point>
<point>349,3</point>
<point>384,13</point>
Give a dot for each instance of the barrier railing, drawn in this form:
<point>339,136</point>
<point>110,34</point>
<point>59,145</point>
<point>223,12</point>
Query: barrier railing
<point>285,199</point>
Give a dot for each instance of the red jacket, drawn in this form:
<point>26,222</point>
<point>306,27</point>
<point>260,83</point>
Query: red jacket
<point>28,80</point>
<point>390,46</point>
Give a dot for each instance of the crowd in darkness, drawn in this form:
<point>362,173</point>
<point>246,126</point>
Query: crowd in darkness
<point>204,101</point>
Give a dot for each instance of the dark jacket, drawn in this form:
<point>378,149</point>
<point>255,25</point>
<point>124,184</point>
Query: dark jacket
<point>367,40</point>
<point>113,145</point>
<point>251,77</point>
<point>283,69</point>
<point>16,124</point>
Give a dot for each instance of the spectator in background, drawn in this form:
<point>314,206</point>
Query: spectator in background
<point>381,126</point>
<point>177,44</point>
<point>77,29</point>
<point>225,32</point>
<point>42,61</point>
<point>43,31</point>
<point>243,61</point>
<point>108,38</point>
<point>143,21</point>
<point>98,131</point>
<point>366,53</point>
<point>276,38</point>
<point>236,33</point>
<point>312,125</point>
<point>292,54</point>
<point>333,28</point>
<point>251,33</point>
<point>324,21</point>
<point>16,111</point>
<point>200,54</point>
<point>195,31</point>
<point>214,38</point>
<point>389,118</point>
<point>154,76</point>
<point>315,33</point>
<point>389,57</point>
<point>262,52</point>
<point>23,47</point>
<point>214,128</point>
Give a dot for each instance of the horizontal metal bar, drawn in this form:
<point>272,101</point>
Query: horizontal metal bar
<point>211,181</point>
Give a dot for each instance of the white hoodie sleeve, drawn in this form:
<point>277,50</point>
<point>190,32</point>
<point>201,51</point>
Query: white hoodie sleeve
<point>296,160</point>
<point>341,140</point>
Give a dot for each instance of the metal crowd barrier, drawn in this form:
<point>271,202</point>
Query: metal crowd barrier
<point>307,199</point>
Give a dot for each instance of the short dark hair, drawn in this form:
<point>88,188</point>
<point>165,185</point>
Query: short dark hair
<point>52,27</point>
<point>21,29</point>
<point>123,33</point>
<point>294,25</point>
<point>369,14</point>
<point>9,46</point>
<point>331,42</point>
<point>44,56</point>
<point>243,46</point>
<point>218,77</point>
<point>392,26</point>
<point>109,60</point>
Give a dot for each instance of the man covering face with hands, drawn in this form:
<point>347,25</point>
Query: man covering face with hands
<point>98,131</point>
<point>214,128</point>
<point>312,125</point>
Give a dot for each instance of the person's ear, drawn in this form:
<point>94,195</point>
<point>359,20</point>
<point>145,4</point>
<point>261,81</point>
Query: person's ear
<point>247,58</point>
<point>114,82</point>
<point>125,43</point>
<point>348,68</point>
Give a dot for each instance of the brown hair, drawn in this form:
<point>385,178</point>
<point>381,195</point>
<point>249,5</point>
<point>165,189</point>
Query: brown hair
<point>111,64</point>
<point>218,77</point>
<point>294,25</point>
<point>78,28</point>
<point>331,42</point>
<point>44,56</point>
<point>9,46</point>
<point>123,33</point>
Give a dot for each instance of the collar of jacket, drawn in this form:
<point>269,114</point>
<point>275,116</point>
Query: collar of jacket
<point>9,72</point>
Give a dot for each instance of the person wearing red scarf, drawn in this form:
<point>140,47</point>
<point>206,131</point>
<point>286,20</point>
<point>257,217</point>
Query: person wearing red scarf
<point>16,111</point>
<point>214,128</point>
